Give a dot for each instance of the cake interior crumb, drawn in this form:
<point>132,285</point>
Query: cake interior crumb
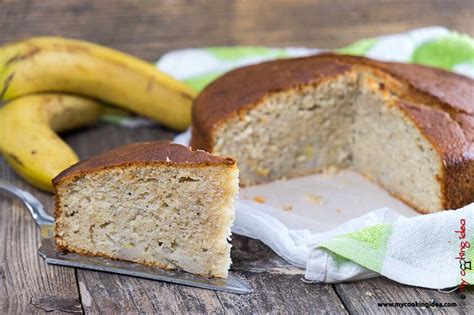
<point>171,217</point>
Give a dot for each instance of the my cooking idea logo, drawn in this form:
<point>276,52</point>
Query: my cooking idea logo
<point>465,263</point>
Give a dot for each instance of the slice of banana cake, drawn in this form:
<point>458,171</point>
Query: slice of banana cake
<point>155,203</point>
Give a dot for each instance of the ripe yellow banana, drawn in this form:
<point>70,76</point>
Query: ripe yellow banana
<point>28,139</point>
<point>53,64</point>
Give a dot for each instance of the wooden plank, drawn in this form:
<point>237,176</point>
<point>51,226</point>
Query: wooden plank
<point>27,283</point>
<point>104,136</point>
<point>150,28</point>
<point>114,294</point>
<point>278,286</point>
<point>362,297</point>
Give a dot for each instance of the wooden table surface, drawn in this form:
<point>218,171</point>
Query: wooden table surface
<point>147,29</point>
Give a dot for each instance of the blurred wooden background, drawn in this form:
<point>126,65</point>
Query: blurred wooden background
<point>147,29</point>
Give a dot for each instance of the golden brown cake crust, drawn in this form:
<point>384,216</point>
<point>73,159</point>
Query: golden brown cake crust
<point>441,103</point>
<point>161,152</point>
<point>449,138</point>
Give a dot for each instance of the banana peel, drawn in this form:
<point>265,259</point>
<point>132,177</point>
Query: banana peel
<point>53,64</point>
<point>28,134</point>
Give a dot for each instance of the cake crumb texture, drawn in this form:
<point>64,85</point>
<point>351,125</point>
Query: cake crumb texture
<point>173,214</point>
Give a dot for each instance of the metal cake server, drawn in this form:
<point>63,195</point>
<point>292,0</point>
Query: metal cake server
<point>50,254</point>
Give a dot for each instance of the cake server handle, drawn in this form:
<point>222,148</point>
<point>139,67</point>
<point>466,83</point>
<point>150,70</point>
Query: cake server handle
<point>33,205</point>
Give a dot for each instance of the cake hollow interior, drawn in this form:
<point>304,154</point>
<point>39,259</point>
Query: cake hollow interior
<point>347,121</point>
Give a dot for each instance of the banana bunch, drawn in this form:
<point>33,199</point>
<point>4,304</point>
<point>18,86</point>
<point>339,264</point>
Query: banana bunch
<point>39,78</point>
<point>50,64</point>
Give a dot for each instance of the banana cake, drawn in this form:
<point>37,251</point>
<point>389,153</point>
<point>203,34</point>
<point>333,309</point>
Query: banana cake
<point>410,128</point>
<point>155,203</point>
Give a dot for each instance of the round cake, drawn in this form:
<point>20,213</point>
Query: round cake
<point>410,128</point>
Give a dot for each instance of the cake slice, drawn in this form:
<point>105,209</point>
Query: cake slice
<point>155,203</point>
